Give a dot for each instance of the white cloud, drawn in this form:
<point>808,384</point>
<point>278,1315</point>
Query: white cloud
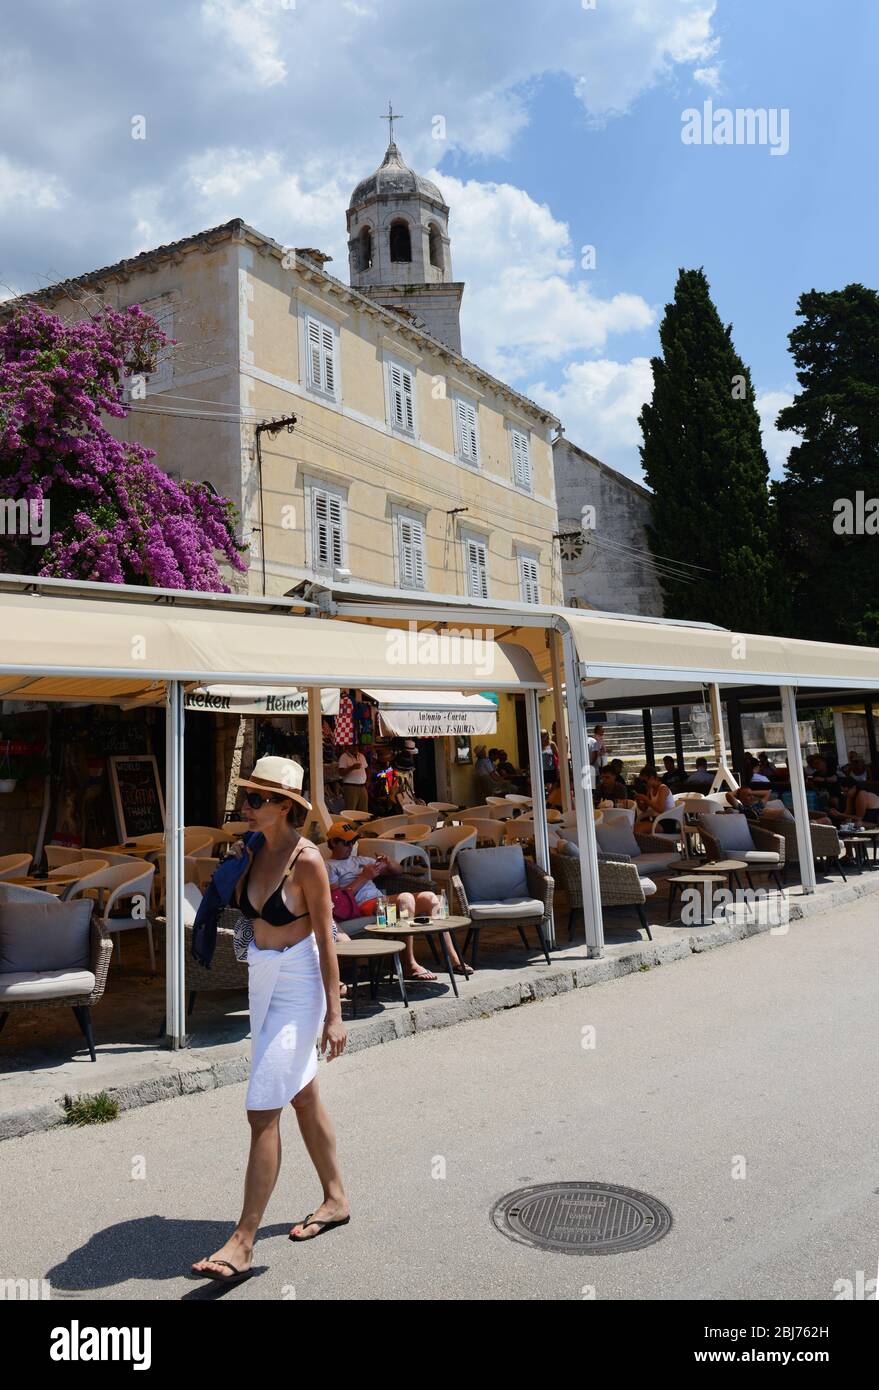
<point>248,26</point>
<point>598,404</point>
<point>777,443</point>
<point>24,190</point>
<point>708,77</point>
<point>527,302</point>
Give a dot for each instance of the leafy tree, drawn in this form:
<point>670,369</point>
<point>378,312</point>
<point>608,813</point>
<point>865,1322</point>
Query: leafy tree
<point>829,541</point>
<point>704,461</point>
<point>110,513</point>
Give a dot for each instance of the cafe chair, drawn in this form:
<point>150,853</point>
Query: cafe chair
<point>55,956</point>
<point>500,888</point>
<point>125,884</point>
<point>58,855</point>
<point>14,865</point>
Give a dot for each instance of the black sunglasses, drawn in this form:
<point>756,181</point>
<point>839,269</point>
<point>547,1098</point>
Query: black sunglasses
<point>256,799</point>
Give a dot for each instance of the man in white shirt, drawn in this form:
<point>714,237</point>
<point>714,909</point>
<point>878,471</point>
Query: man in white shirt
<point>353,768</point>
<point>357,873</point>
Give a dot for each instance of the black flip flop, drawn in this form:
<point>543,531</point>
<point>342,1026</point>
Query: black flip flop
<point>324,1226</point>
<point>236,1277</point>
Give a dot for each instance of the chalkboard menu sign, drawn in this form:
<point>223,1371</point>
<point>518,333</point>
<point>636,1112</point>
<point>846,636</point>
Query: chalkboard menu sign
<point>137,796</point>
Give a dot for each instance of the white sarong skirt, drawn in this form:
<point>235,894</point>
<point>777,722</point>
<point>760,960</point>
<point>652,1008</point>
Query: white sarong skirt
<point>287,1007</point>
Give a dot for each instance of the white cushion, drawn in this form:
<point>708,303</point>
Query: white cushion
<point>616,835</point>
<point>648,887</point>
<point>508,909</point>
<point>732,833</point>
<point>51,984</point>
<point>760,856</point>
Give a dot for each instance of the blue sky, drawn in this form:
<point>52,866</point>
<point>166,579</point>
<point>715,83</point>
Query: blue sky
<point>562,128</point>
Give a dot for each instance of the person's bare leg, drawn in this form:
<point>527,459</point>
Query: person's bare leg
<point>426,905</point>
<point>319,1138</point>
<point>263,1167</point>
<point>411,968</point>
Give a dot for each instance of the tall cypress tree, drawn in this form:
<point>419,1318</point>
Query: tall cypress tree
<point>830,541</point>
<point>704,461</point>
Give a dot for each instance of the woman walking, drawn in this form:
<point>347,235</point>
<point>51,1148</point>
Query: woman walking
<point>293,984</point>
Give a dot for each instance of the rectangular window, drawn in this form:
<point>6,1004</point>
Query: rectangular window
<point>401,384</point>
<point>521,452</point>
<point>529,579</point>
<point>162,310</point>
<point>466,431</point>
<point>327,529</point>
<point>321,349</point>
<point>410,553</point>
<point>476,566</point>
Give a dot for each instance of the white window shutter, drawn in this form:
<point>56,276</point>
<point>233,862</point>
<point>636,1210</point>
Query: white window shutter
<point>321,347</point>
<point>408,400</point>
<point>411,553</point>
<point>468,436</point>
<point>521,459</point>
<point>477,569</point>
<point>327,520</point>
<point>529,579</point>
<point>329,365</point>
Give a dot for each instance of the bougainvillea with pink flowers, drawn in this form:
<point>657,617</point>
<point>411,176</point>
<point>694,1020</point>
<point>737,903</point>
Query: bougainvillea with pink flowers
<point>113,515</point>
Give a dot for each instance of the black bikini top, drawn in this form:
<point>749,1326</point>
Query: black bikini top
<point>274,910</point>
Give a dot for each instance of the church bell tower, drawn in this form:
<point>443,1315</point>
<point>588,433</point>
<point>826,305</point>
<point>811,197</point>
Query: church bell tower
<point>398,246</point>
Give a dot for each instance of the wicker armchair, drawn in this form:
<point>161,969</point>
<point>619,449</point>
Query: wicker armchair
<point>100,951</point>
<point>826,843</point>
<point>619,882</point>
<point>765,842</point>
<point>488,910</point>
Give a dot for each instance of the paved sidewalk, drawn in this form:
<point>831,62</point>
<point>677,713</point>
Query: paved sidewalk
<point>738,1088</point>
<point>38,1075</point>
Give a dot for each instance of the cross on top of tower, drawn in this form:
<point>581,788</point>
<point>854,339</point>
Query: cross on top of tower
<point>390,118</point>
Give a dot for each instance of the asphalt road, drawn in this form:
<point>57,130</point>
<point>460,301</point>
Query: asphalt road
<point>756,1059</point>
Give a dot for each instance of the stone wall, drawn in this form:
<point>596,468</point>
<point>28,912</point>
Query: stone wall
<point>603,571</point>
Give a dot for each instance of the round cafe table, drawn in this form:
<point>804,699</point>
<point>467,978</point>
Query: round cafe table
<point>435,927</point>
<point>352,815</point>
<point>361,948</point>
<point>56,884</point>
<point>409,833</point>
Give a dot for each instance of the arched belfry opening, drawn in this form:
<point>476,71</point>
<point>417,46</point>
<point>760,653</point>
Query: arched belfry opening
<point>400,240</point>
<point>364,258</point>
<point>435,240</point>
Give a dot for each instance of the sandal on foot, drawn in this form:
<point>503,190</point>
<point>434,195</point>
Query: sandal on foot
<point>235,1277</point>
<point>324,1226</point>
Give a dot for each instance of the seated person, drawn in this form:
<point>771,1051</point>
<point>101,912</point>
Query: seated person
<point>357,874</point>
<point>610,788</point>
<point>748,801</point>
<point>505,768</point>
<point>672,775</point>
<point>856,768</point>
<point>488,780</point>
<point>656,798</point>
<point>334,797</point>
<point>766,765</point>
<point>858,804</point>
<point>701,779</point>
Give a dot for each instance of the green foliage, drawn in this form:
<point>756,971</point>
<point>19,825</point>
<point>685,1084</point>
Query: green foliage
<point>704,461</point>
<point>90,1110</point>
<point>832,575</point>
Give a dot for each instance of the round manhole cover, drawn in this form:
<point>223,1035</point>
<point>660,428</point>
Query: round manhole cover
<point>582,1218</point>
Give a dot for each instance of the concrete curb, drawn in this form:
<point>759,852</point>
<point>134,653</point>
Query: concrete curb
<point>229,1064</point>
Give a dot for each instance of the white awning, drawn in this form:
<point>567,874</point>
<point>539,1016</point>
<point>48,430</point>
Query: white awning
<point>247,699</point>
<point>434,713</point>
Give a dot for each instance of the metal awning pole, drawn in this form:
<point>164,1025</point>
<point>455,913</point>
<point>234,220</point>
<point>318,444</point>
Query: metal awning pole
<point>724,773</point>
<point>798,788</point>
<point>592,919</point>
<point>538,791</point>
<point>175,945</point>
<point>558,706</point>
